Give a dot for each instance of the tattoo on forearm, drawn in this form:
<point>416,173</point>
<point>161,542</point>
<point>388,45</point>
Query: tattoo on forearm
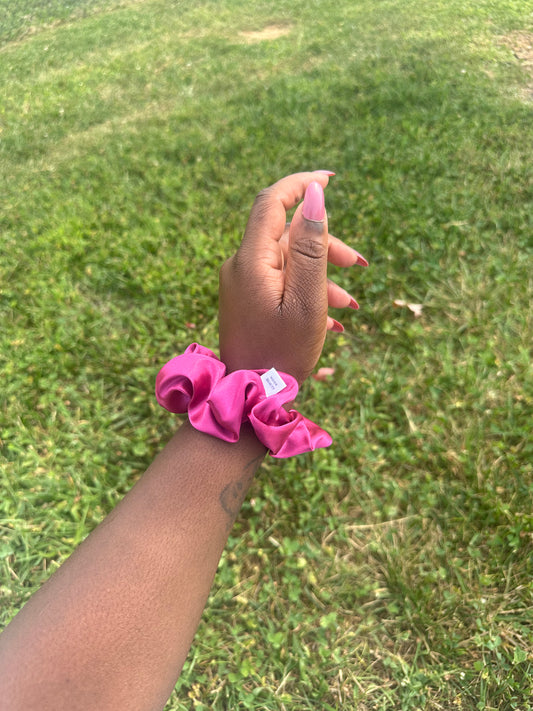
<point>233,494</point>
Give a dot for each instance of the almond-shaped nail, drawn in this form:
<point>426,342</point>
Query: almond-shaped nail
<point>337,327</point>
<point>360,259</point>
<point>325,172</point>
<point>314,208</point>
<point>352,304</point>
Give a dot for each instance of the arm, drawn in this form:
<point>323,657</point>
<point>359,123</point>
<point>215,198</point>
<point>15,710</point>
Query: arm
<point>112,627</point>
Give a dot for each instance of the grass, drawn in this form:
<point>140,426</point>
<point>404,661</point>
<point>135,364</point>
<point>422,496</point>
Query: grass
<point>394,570</point>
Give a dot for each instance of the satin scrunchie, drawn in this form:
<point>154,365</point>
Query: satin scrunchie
<point>218,404</point>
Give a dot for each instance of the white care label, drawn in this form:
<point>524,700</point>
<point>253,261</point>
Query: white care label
<point>272,382</point>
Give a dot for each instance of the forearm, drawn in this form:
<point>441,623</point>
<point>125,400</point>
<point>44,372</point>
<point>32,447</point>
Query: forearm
<point>112,628</point>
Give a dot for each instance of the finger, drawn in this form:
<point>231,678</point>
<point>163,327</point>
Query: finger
<point>307,257</point>
<point>341,255</point>
<point>334,326</point>
<point>269,215</point>
<point>339,298</point>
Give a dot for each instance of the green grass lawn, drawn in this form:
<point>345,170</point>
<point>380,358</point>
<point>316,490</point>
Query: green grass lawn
<point>395,569</point>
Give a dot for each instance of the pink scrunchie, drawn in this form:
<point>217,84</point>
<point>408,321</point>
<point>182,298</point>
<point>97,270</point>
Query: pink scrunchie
<point>218,404</point>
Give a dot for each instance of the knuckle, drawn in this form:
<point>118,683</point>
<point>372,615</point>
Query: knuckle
<point>264,194</point>
<point>226,267</point>
<point>229,270</point>
<point>262,202</point>
<point>310,248</point>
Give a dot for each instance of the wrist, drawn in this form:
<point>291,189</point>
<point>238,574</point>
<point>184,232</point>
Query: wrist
<point>248,445</point>
<point>220,403</point>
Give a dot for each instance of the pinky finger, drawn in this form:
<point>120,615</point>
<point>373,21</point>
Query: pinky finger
<point>334,326</point>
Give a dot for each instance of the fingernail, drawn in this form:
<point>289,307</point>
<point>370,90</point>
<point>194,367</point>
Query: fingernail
<point>337,327</point>
<point>352,303</point>
<point>360,259</point>
<point>325,172</point>
<point>314,208</point>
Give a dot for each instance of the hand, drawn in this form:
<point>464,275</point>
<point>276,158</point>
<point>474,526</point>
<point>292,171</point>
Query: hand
<point>274,292</point>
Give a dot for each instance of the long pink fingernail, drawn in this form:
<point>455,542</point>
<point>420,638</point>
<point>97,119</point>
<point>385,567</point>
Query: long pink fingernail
<point>360,259</point>
<point>337,327</point>
<point>353,303</point>
<point>314,208</point>
<point>325,172</point>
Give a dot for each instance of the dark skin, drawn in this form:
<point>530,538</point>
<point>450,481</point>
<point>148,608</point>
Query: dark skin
<point>112,627</point>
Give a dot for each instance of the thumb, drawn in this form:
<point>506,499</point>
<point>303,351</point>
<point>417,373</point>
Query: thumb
<point>307,256</point>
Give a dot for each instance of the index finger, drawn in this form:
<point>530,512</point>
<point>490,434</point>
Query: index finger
<point>268,216</point>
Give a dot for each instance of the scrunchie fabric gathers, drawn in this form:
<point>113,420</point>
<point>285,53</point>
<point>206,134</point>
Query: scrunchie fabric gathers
<point>218,404</point>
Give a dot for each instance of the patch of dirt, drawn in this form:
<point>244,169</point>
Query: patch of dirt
<point>270,32</point>
<point>520,43</point>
